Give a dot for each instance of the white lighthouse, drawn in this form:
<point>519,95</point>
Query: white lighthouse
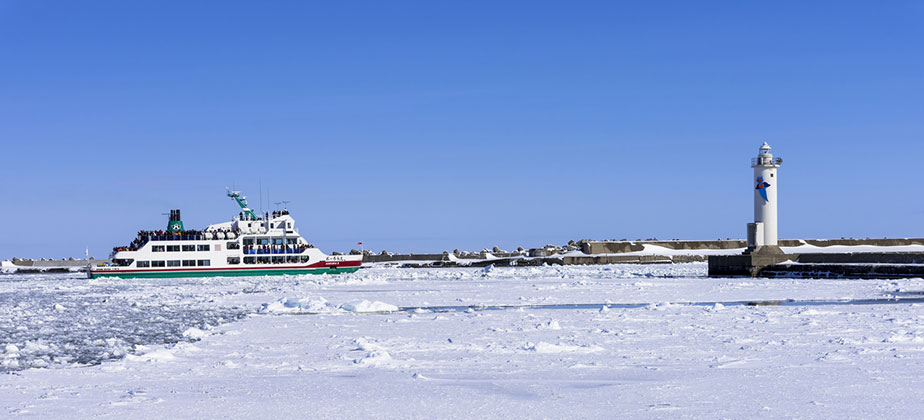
<point>762,233</point>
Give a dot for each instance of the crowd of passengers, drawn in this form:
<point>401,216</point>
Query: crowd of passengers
<point>145,235</point>
<point>277,248</point>
<point>276,214</point>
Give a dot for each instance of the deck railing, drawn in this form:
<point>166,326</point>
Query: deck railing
<point>763,161</point>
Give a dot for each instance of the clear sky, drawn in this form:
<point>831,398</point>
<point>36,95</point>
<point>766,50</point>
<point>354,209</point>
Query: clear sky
<point>433,125</point>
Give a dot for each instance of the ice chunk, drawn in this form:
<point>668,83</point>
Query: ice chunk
<point>366,306</point>
<point>487,270</point>
<point>548,348</point>
<point>162,355</point>
<point>294,305</point>
<point>194,333</point>
<point>551,325</point>
<point>375,358</point>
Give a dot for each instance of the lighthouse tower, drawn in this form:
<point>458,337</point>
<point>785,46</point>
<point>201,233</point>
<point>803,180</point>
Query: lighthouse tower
<point>762,233</point>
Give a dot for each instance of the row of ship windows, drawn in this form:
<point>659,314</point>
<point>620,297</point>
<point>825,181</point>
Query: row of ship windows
<point>273,260</point>
<point>174,263</point>
<point>231,260</point>
<point>178,248</point>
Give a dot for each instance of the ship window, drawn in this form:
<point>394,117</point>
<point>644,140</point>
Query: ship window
<point>203,247</point>
<point>157,264</point>
<point>263,241</point>
<point>187,248</point>
<point>234,260</point>
<point>173,248</point>
<point>305,259</point>
<point>189,263</point>
<point>157,248</point>
<point>204,263</point>
<point>277,241</point>
<point>263,260</point>
<point>250,260</point>
<point>292,259</point>
<point>278,260</point>
<point>173,263</point>
<point>248,241</point>
<point>141,264</point>
<point>232,245</point>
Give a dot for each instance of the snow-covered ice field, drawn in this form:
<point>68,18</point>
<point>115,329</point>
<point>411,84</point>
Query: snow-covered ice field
<point>354,346</point>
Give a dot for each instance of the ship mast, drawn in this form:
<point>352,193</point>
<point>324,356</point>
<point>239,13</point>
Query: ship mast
<point>242,201</point>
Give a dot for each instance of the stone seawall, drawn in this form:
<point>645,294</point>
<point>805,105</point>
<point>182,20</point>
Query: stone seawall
<point>619,247</point>
<point>631,259</point>
<point>401,257</point>
<point>820,265</point>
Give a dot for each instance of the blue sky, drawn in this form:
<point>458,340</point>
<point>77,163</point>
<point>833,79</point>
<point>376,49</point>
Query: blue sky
<point>428,126</point>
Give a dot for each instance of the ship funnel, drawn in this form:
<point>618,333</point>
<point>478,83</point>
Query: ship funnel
<point>175,225</point>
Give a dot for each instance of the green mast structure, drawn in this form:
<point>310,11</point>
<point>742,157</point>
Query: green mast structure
<point>242,201</point>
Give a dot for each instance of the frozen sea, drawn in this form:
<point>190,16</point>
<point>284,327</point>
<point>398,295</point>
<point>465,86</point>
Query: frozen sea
<point>615,341</point>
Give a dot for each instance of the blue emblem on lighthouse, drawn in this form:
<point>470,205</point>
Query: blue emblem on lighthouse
<point>762,187</point>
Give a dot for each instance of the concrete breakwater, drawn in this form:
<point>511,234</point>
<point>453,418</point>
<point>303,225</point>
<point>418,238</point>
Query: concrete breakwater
<point>896,257</point>
<point>842,258</point>
<point>616,247</point>
<point>821,265</point>
<point>640,252</point>
<point>24,265</point>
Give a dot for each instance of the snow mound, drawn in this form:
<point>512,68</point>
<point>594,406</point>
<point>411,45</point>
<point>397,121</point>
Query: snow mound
<point>817,312</point>
<point>317,305</point>
<point>7,267</point>
<point>364,306</point>
<point>194,333</point>
<point>547,348</point>
<point>660,306</point>
<point>485,272</point>
<point>551,325</point>
<point>375,358</point>
<point>162,355</point>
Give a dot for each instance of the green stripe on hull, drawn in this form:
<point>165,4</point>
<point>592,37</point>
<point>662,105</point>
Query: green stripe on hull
<point>223,273</point>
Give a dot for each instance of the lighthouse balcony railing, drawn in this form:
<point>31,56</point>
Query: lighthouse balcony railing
<point>766,161</point>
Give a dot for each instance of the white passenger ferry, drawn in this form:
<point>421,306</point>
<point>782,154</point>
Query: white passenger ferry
<point>246,246</point>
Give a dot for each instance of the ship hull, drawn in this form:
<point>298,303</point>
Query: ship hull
<point>224,272</point>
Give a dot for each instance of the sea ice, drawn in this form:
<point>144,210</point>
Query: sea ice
<point>367,306</point>
<point>123,349</point>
